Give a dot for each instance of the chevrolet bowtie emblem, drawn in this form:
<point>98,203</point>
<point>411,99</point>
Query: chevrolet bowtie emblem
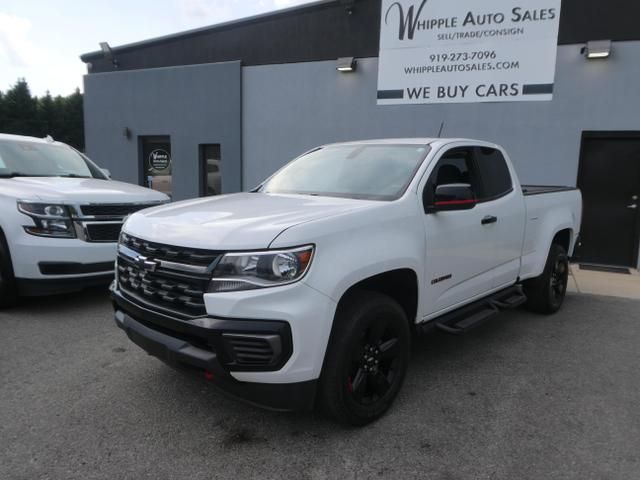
<point>145,264</point>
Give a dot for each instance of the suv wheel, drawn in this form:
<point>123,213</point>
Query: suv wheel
<point>8,293</point>
<point>366,360</point>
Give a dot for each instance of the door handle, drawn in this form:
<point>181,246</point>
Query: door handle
<point>633,206</point>
<point>489,219</point>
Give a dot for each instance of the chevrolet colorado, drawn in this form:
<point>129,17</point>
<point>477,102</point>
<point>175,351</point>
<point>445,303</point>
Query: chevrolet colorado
<point>60,218</point>
<point>309,287</point>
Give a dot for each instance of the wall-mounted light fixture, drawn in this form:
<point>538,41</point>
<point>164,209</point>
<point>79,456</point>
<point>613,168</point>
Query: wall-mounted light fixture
<point>126,133</point>
<point>348,6</point>
<point>597,49</point>
<point>346,64</point>
<point>107,53</point>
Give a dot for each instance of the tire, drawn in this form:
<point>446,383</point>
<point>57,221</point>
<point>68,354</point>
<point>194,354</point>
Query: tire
<point>8,291</point>
<point>546,293</point>
<point>366,360</point>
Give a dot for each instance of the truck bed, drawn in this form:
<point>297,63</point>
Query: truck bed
<point>540,189</point>
<point>546,215</point>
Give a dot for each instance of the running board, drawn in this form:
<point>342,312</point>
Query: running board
<point>475,314</point>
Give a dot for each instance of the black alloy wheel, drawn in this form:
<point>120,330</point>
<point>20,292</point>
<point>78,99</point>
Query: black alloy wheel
<point>375,363</point>
<point>367,358</point>
<point>559,279</point>
<point>545,294</point>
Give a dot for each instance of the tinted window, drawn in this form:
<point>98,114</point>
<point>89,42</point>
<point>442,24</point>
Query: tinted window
<point>455,166</point>
<point>496,180</point>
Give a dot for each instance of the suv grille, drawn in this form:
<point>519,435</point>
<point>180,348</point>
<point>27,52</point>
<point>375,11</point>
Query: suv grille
<point>103,232</point>
<point>119,210</point>
<point>165,288</point>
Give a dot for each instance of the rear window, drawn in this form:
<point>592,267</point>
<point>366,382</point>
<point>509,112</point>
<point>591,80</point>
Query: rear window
<point>496,179</point>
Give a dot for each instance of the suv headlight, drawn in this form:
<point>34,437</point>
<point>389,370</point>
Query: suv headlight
<point>251,270</point>
<point>51,220</point>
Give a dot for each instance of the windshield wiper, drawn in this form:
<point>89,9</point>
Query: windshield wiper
<point>72,175</point>
<point>16,174</point>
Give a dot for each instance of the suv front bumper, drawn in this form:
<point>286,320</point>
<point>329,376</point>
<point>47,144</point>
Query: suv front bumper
<point>205,346</point>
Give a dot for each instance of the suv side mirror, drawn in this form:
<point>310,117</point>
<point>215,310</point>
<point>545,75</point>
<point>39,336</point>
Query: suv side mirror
<point>453,196</point>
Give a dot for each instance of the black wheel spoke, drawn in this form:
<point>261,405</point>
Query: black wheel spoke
<point>389,348</point>
<point>358,382</point>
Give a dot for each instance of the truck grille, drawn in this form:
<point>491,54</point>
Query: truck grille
<point>165,288</point>
<point>157,251</point>
<point>113,210</point>
<point>103,232</point>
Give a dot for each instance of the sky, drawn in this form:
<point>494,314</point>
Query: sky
<point>42,41</point>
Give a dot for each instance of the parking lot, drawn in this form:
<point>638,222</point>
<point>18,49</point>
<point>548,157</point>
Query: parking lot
<point>523,397</point>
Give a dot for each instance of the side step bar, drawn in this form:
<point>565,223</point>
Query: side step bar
<point>475,314</point>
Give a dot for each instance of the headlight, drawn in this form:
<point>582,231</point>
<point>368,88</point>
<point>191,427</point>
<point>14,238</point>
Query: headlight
<point>50,220</point>
<point>251,270</point>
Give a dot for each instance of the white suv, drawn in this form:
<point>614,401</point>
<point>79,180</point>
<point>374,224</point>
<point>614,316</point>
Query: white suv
<point>61,217</point>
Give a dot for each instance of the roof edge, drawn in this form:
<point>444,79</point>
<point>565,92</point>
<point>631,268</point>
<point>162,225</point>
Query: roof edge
<point>85,57</point>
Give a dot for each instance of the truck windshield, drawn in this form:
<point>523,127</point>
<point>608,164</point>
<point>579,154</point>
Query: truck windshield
<point>31,159</point>
<point>364,171</point>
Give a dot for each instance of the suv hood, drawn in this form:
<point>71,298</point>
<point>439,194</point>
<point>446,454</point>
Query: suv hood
<point>235,222</point>
<point>77,190</point>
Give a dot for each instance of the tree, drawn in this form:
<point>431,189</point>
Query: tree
<point>2,113</point>
<point>20,110</point>
<point>60,117</point>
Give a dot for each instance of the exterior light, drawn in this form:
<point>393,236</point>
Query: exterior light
<point>107,53</point>
<point>346,64</point>
<point>597,49</point>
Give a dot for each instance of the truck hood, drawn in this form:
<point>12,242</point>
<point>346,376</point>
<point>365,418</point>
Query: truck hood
<point>77,190</point>
<point>235,222</point>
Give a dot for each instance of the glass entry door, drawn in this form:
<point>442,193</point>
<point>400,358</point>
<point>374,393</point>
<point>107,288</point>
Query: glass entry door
<point>156,163</point>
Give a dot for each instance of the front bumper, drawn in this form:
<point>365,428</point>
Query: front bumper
<point>201,346</point>
<point>29,254</point>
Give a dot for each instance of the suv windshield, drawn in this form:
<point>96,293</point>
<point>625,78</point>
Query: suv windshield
<point>375,172</point>
<point>31,159</point>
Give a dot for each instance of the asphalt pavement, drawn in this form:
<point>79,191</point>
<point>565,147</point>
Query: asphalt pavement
<point>522,397</point>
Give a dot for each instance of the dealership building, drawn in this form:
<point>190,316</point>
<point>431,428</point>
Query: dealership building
<point>218,109</point>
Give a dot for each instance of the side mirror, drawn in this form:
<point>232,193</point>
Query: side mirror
<point>453,196</point>
<point>106,172</point>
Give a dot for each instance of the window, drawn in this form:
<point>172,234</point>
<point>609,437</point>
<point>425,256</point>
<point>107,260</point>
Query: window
<point>210,174</point>
<point>36,159</point>
<point>455,166</point>
<point>369,171</point>
<point>496,180</point>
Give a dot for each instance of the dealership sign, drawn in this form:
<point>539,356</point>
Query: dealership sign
<point>444,51</point>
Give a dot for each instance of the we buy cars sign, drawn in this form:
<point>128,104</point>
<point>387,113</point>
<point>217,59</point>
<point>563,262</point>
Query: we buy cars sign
<point>444,51</point>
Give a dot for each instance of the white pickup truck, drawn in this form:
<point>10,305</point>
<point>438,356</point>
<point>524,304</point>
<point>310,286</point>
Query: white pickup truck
<point>60,218</point>
<point>308,288</point>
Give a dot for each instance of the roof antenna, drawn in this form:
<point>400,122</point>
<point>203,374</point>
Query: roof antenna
<point>441,128</point>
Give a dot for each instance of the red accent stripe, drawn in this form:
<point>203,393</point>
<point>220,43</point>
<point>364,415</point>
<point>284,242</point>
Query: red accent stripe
<point>457,202</point>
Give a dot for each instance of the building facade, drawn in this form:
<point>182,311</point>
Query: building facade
<point>216,110</point>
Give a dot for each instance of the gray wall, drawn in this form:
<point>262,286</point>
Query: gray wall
<point>290,108</point>
<point>193,104</point>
